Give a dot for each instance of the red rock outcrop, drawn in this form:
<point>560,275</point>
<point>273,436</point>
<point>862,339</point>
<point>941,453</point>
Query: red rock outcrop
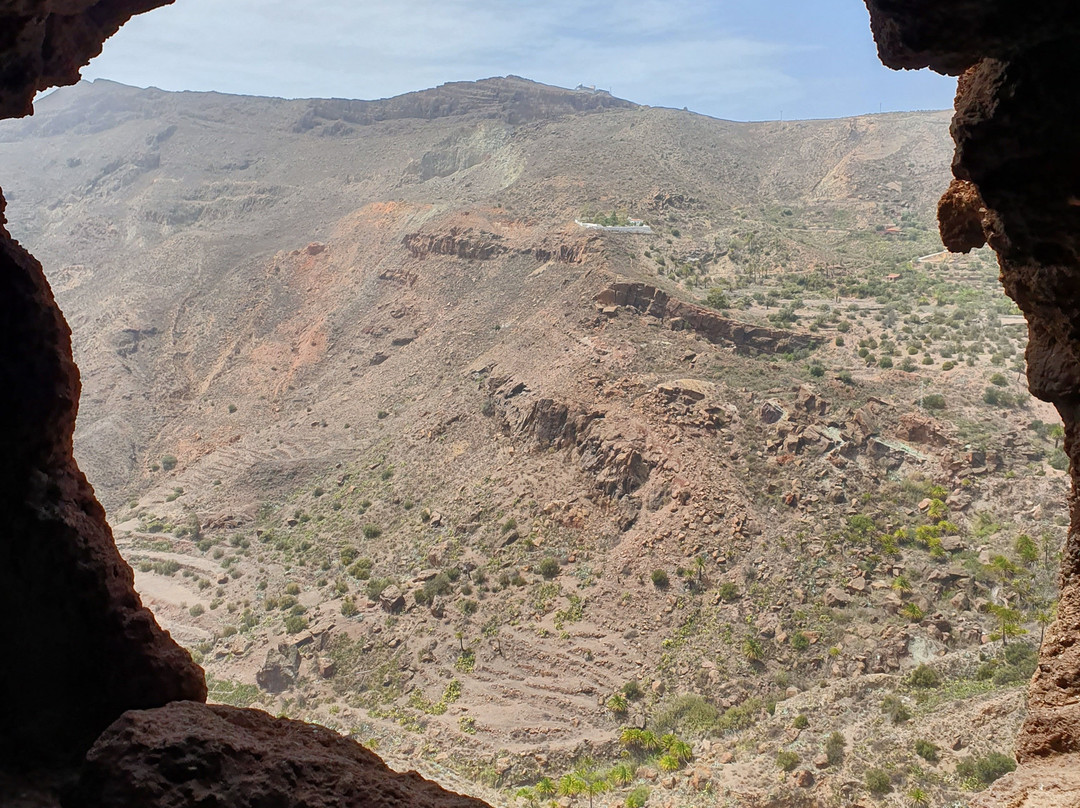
<point>189,754</point>
<point>485,246</point>
<point>1017,164</point>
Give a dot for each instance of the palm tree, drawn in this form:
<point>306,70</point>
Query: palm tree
<point>919,798</point>
<point>544,787</point>
<point>641,740</point>
<point>593,784</point>
<point>618,704</point>
<point>681,750</point>
<point>668,762</point>
<point>621,774</point>
<point>570,785</point>
<point>1008,623</point>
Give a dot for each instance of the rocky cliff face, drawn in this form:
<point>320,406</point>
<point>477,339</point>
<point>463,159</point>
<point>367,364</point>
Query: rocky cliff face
<point>93,650</point>
<point>680,315</point>
<point>1017,167</point>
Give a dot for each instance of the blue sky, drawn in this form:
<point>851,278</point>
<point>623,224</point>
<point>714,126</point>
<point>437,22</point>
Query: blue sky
<point>737,59</point>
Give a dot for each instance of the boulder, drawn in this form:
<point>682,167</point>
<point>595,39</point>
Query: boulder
<point>835,597</point>
<point>186,753</point>
<point>280,669</point>
<point>392,600</point>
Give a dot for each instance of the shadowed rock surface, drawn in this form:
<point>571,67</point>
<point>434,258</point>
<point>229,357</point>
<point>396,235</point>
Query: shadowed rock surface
<point>192,754</point>
<point>67,593</point>
<point>46,43</point>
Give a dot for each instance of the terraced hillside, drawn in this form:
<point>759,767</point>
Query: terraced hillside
<point>396,446</point>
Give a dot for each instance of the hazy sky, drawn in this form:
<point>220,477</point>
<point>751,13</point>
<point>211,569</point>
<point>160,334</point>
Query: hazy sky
<point>738,59</point>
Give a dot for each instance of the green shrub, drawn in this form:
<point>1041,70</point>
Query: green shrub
<point>637,798</point>
<point>375,587</point>
<point>727,591</point>
<point>924,676</point>
<point>893,707</point>
<point>295,623</point>
<point>717,299</point>
<point>985,769</point>
<point>361,569</point>
<point>1059,460</point>
<point>660,579</point>
<point>934,401</point>
<point>168,462</point>
<point>741,716</point>
<point>878,782</point>
<point>687,714</point>
<point>196,610</point>
<point>799,641</point>
<point>549,567</point>
<point>348,607</point>
<point>800,722</point>
<point>787,760</point>
<point>885,362</point>
<point>927,750</point>
<point>372,531</point>
<point>834,748</point>
<point>632,690</point>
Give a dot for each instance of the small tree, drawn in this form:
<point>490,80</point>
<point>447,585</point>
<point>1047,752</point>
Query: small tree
<point>1026,549</point>
<point>834,748</point>
<point>1008,623</point>
<point>753,650</point>
<point>878,782</point>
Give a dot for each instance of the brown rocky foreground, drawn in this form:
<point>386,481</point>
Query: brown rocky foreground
<point>188,753</point>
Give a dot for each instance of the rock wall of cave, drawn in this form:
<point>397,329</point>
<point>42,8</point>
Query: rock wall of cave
<point>100,706</point>
<point>1017,187</point>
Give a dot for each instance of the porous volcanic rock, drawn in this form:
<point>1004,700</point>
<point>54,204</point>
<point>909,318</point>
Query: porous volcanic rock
<point>46,43</point>
<point>189,754</point>
<point>82,648</point>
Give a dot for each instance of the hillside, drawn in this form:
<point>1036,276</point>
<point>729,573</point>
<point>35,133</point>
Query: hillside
<point>396,446</point>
